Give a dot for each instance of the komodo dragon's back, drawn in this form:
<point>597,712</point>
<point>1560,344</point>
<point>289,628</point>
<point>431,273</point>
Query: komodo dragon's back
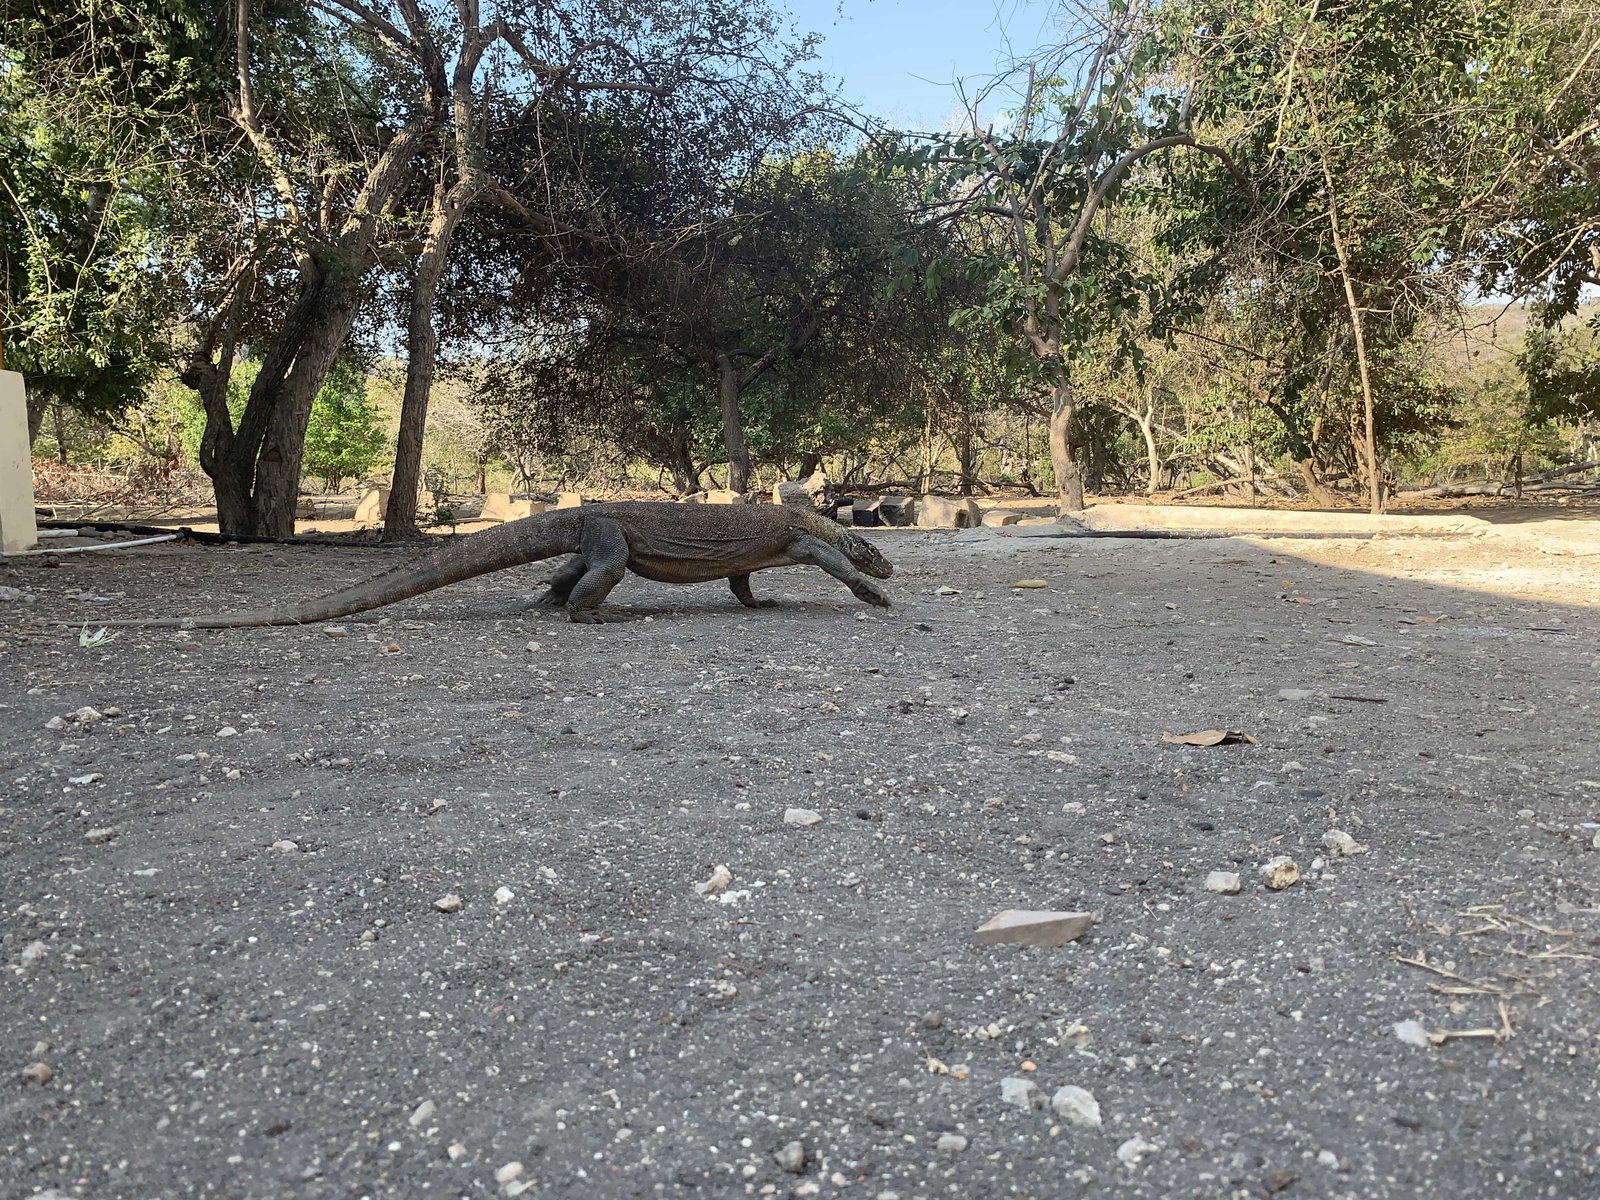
<point>672,543</point>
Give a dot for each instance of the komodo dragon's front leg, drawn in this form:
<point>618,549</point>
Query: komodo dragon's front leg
<point>740,585</point>
<point>817,553</point>
<point>603,552</point>
<point>562,583</point>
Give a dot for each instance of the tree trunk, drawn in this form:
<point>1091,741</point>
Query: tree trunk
<point>422,347</point>
<point>285,398</point>
<point>810,460</point>
<point>965,456</point>
<point>1069,483</point>
<point>732,425</point>
<point>1147,426</point>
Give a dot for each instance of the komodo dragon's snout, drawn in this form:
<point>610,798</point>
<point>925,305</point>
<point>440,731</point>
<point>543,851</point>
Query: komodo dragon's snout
<point>865,556</point>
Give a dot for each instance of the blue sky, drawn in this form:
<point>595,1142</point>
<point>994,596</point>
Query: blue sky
<point>898,57</point>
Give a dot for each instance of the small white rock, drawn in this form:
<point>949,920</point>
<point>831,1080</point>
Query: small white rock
<point>456,1150</point>
<point>504,895</point>
<point>1341,843</point>
<point>32,953</point>
<point>1076,1106</point>
<point>227,731</point>
<point>720,879</point>
<point>1020,1093</point>
<point>801,816</point>
<point>1224,883</point>
<point>954,1143</point>
<point>1279,873</point>
<point>99,837</point>
<point>1412,1033</point>
<point>55,723</point>
<point>1328,1159</point>
<point>286,846</point>
<point>1132,1150</point>
<point>91,777</point>
<point>791,1157</point>
<point>87,715</point>
<point>507,1173</point>
<point>421,1114</point>
<point>448,903</point>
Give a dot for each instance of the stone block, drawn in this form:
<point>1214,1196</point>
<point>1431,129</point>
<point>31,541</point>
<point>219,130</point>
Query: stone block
<point>947,512</point>
<point>372,505</point>
<point>502,506</point>
<point>18,529</point>
<point>568,499</point>
<point>814,493</point>
<point>994,517</point>
<point>726,496</point>
<point>897,510</point>
<point>865,513</point>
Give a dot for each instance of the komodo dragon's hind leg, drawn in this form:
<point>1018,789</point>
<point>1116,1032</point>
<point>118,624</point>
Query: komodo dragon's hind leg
<point>740,584</point>
<point>562,583</point>
<point>604,554</point>
<point>818,553</point>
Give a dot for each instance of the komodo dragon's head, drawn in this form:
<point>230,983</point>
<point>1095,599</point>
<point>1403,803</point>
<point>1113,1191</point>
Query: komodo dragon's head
<point>861,553</point>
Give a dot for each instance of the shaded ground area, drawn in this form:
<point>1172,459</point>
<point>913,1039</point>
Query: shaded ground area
<point>225,1018</point>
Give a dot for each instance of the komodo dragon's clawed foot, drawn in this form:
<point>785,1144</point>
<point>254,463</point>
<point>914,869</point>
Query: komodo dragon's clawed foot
<point>871,594</point>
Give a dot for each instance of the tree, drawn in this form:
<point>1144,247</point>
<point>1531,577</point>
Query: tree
<point>1089,115</point>
<point>84,95</point>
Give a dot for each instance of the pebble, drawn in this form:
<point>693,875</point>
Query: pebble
<point>801,816</point>
<point>504,895</point>
<point>32,953</point>
<point>91,777</point>
<point>286,846</point>
<point>721,877</point>
<point>55,723</point>
<point>1046,929</point>
<point>456,1150</point>
<point>335,631</point>
<point>369,936</point>
<point>1412,1033</point>
<point>1224,883</point>
<point>1132,1150</point>
<point>38,1072</point>
<point>932,1020</point>
<point>952,1142</point>
<point>1295,694</point>
<point>1341,843</point>
<point>1279,873</point>
<point>99,837</point>
<point>448,903</point>
<point>1076,1106</point>
<point>423,1112</point>
<point>11,595</point>
<point>1020,1093</point>
<point>507,1173</point>
<point>1328,1159</point>
<point>227,731</point>
<point>792,1158</point>
<point>87,715</point>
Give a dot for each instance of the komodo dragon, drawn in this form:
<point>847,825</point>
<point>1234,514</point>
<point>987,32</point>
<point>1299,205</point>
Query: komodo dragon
<point>670,543</point>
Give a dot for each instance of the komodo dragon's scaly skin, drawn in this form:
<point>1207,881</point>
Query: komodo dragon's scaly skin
<point>671,543</point>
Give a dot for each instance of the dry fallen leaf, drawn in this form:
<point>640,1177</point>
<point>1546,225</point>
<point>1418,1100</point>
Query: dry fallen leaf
<point>1207,737</point>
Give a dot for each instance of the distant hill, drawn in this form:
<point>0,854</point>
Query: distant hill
<point>1493,332</point>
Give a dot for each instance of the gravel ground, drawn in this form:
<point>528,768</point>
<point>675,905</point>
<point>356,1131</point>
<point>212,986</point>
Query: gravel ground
<point>222,936</point>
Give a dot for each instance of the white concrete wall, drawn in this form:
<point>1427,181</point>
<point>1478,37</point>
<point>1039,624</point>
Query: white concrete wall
<point>17,528</point>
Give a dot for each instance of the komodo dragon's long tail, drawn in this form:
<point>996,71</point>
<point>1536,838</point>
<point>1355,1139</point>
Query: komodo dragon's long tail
<point>545,535</point>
